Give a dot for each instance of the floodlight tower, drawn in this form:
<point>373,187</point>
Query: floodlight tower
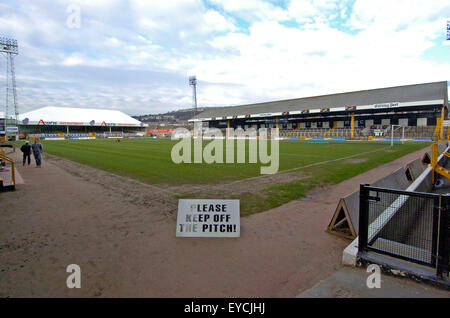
<point>193,83</point>
<point>9,48</point>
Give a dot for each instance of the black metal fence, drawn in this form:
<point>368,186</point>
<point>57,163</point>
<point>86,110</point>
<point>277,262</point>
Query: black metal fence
<point>412,226</point>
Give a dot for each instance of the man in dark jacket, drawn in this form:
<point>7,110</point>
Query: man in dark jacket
<point>26,149</point>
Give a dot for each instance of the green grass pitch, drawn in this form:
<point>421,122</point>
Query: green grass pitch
<point>149,161</point>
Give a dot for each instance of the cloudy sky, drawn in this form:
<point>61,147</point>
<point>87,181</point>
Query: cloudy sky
<point>136,55</point>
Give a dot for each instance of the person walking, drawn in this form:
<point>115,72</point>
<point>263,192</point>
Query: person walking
<point>37,152</point>
<point>26,150</point>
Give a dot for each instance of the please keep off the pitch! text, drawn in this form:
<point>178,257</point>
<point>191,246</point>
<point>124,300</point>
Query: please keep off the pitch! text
<point>208,218</point>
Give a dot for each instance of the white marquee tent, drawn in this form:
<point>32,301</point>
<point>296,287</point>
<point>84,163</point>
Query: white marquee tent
<point>65,116</point>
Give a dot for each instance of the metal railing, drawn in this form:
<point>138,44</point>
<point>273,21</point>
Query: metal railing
<point>13,171</point>
<point>412,226</point>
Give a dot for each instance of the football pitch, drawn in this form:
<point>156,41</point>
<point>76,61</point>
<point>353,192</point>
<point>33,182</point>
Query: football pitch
<point>302,165</point>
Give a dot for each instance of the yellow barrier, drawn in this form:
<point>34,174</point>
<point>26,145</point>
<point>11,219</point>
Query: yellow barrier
<point>13,171</point>
<point>438,127</point>
<point>434,162</point>
<point>439,130</point>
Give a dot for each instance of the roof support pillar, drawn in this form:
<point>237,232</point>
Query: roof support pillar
<point>277,128</point>
<point>353,126</point>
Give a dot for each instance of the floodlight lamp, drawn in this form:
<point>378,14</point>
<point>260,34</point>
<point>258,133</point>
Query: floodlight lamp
<point>8,45</point>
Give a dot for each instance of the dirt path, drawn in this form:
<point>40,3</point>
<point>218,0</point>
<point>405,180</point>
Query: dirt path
<point>122,234</point>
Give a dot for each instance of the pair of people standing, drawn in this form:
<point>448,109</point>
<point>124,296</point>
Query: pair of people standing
<point>37,150</point>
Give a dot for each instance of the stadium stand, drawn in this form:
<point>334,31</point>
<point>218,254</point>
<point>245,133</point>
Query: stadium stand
<point>420,108</point>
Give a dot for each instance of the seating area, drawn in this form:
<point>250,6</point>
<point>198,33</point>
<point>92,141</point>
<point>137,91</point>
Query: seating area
<point>375,131</point>
<point>414,132</point>
<point>410,132</point>
<point>320,132</point>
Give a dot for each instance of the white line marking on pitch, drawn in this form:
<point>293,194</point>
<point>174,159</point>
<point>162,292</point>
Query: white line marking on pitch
<point>290,170</point>
<point>333,160</point>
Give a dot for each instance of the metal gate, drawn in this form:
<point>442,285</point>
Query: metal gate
<point>412,226</point>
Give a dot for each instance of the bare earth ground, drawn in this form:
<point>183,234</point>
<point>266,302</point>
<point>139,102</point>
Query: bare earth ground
<point>122,234</point>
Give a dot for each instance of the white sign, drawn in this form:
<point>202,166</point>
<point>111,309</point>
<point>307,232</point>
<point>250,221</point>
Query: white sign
<point>208,218</point>
<point>446,123</point>
<point>12,129</point>
<point>378,133</point>
<point>386,105</point>
<point>266,114</point>
<point>81,138</point>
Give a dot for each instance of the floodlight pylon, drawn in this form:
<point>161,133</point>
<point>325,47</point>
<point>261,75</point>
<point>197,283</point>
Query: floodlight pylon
<point>9,48</point>
<point>193,83</point>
